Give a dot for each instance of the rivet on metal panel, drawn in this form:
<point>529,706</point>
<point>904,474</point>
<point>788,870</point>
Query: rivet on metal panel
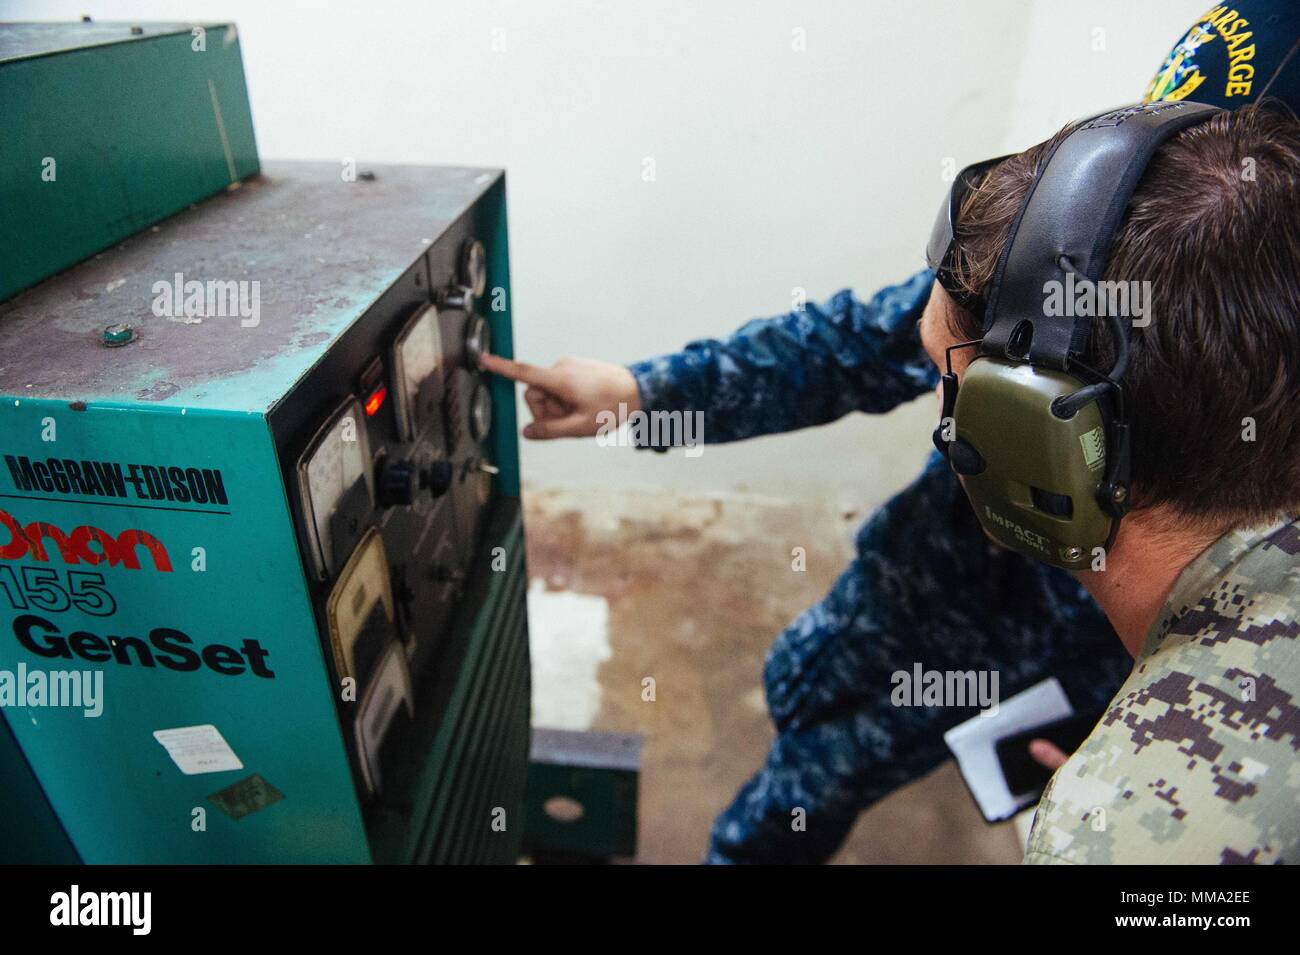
<point>115,336</point>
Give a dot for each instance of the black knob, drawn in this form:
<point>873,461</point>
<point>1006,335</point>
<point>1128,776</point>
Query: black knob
<point>478,340</point>
<point>398,482</point>
<point>437,477</point>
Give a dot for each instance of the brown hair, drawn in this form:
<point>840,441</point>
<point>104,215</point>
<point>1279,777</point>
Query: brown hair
<point>1214,226</point>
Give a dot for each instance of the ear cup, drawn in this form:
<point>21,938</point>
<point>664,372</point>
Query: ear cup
<point>1032,477</point>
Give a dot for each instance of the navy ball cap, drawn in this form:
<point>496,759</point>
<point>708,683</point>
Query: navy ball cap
<point>1234,54</point>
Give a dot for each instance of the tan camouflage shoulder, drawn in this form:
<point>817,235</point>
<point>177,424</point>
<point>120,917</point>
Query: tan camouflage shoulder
<point>1195,760</point>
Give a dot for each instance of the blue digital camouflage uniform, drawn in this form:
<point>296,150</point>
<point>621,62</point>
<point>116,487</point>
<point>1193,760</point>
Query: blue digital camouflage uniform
<point>925,587</point>
<point>1195,759</point>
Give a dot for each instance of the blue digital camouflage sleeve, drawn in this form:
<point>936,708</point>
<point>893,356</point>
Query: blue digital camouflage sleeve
<point>806,368</point>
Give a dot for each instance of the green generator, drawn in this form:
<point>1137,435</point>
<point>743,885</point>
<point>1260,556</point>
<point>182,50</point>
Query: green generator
<point>109,128</point>
<point>261,554</point>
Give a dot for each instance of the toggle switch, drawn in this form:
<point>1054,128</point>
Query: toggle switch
<point>456,297</point>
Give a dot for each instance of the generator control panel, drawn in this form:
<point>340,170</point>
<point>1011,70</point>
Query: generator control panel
<point>390,487</point>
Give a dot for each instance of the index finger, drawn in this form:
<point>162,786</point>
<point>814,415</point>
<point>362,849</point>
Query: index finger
<point>518,370</point>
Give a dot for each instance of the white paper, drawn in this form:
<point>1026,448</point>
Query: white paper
<point>198,749</point>
<point>974,744</point>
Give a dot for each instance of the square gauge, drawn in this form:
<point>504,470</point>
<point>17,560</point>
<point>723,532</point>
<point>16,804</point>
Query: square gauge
<point>417,371</point>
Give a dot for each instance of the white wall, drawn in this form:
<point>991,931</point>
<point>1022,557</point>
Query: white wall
<point>775,168</point>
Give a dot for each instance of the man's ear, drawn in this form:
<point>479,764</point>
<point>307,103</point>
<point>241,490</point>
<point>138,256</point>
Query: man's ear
<point>961,325</point>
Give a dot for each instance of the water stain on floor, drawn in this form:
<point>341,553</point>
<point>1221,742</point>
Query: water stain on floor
<point>697,588</point>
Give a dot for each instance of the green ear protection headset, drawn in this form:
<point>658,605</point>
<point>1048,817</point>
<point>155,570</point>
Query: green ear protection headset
<point>1039,440</point>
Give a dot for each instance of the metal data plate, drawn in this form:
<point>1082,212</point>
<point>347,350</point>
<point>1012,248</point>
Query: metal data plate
<point>417,371</point>
<point>334,471</point>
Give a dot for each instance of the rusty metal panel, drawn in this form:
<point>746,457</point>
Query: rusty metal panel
<point>319,248</point>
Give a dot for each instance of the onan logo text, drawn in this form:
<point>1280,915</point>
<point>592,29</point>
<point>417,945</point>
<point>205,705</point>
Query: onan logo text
<point>30,541</point>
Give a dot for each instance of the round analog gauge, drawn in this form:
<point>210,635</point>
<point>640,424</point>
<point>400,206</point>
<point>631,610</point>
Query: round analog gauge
<point>473,267</point>
<point>334,481</point>
<point>478,339</point>
<point>480,412</point>
<point>417,371</point>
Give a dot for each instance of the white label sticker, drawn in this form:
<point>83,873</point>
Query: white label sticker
<point>198,749</point>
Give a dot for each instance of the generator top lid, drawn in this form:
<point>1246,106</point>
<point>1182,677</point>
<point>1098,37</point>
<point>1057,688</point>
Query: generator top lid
<point>301,252</point>
<point>20,41</point>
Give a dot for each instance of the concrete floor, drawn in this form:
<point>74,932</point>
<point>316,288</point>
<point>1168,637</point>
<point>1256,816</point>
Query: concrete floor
<point>696,588</point>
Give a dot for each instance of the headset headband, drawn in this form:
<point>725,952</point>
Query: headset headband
<point>1068,224</point>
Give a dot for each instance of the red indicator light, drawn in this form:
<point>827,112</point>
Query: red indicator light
<point>376,400</point>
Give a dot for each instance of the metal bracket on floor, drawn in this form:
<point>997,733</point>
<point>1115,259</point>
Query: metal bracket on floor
<point>581,802</point>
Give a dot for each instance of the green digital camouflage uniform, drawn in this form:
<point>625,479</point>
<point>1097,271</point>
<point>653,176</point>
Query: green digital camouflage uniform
<point>1195,760</point>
